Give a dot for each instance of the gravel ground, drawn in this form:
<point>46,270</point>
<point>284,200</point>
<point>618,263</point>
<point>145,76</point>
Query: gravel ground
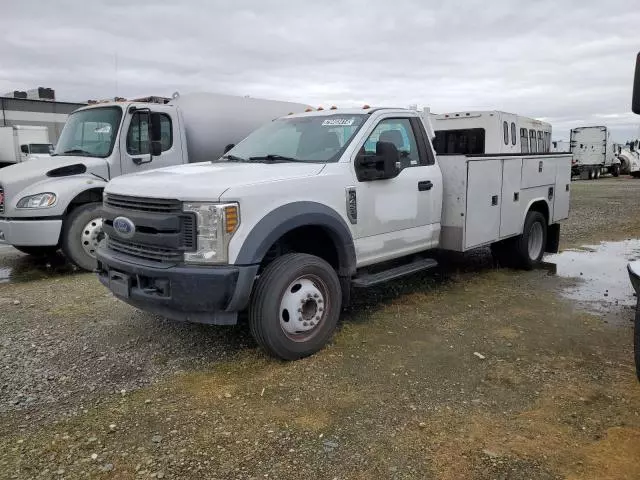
<point>469,372</point>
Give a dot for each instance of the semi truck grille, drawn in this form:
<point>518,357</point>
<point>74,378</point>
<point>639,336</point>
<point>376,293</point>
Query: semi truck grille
<point>1,199</point>
<point>145,252</point>
<point>140,204</point>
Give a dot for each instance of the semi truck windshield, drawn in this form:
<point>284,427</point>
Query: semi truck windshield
<point>90,132</point>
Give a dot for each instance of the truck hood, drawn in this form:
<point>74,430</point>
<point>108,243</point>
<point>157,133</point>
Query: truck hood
<point>16,178</point>
<point>207,181</point>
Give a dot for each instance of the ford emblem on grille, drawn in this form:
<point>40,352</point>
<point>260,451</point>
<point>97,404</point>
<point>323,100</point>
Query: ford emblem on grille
<point>124,227</point>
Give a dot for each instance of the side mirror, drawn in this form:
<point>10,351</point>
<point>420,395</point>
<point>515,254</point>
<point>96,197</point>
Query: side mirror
<point>635,102</point>
<point>24,148</point>
<point>155,148</point>
<point>229,147</point>
<point>383,165</point>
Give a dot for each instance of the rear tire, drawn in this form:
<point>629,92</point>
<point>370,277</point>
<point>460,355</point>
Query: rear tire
<point>81,233</point>
<point>596,174</point>
<point>295,306</point>
<point>616,170</point>
<point>39,252</point>
<point>528,248</point>
<point>591,174</point>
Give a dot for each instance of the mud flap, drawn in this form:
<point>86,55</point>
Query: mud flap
<point>553,238</point>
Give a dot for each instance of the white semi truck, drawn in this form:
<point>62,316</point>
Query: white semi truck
<point>19,143</point>
<point>629,156</point>
<point>46,206</point>
<point>312,204</point>
<point>593,153</point>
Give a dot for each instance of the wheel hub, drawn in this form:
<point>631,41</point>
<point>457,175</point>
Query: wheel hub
<point>302,307</point>
<point>536,237</point>
<point>92,235</point>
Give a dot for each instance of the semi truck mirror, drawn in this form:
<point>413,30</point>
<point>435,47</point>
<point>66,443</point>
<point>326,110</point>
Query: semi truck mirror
<point>635,102</point>
<point>155,127</point>
<point>156,148</point>
<point>24,148</point>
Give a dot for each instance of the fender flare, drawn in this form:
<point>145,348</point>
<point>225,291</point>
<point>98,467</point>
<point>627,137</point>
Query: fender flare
<point>536,200</point>
<point>293,215</point>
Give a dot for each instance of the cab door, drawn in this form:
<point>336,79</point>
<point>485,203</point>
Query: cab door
<point>135,146</point>
<point>401,215</point>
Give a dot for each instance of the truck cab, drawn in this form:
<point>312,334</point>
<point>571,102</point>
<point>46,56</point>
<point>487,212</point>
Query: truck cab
<point>310,205</point>
<point>46,206</point>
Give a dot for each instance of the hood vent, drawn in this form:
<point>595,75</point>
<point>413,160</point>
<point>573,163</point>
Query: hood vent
<point>66,171</point>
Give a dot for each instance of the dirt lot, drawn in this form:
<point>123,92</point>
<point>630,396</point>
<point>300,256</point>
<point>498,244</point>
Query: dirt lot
<point>468,372</point>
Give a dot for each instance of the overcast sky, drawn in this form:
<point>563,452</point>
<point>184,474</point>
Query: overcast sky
<point>569,62</point>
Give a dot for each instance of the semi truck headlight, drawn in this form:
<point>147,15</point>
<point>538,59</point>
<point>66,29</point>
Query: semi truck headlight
<point>215,223</point>
<point>41,200</point>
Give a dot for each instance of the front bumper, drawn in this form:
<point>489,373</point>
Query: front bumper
<point>212,295</point>
<point>36,233</point>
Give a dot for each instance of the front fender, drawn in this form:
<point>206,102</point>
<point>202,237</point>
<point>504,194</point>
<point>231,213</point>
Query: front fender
<point>291,216</point>
<point>65,189</point>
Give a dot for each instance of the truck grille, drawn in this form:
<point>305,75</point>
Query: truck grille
<point>139,204</point>
<point>1,199</point>
<point>145,252</point>
<point>163,230</point>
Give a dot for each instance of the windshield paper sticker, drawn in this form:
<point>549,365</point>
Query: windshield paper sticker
<point>335,122</point>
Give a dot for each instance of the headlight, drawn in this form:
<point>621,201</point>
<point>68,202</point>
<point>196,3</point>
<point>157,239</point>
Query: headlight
<point>216,223</point>
<point>41,200</point>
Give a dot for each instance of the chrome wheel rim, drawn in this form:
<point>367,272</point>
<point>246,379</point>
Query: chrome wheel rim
<point>303,307</point>
<point>91,236</point>
<point>536,237</point>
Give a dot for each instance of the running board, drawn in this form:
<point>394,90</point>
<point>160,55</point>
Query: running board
<point>368,280</point>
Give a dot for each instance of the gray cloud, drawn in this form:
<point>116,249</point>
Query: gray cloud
<point>568,62</point>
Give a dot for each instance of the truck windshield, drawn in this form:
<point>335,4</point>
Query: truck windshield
<point>40,148</point>
<point>90,133</point>
<point>300,139</point>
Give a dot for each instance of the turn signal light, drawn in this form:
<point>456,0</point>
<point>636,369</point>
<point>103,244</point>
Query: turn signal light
<point>231,217</point>
<point>366,107</point>
<point>333,108</point>
<point>309,110</point>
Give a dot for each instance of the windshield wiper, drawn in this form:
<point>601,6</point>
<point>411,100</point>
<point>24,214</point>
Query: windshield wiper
<point>232,158</point>
<point>76,151</point>
<point>274,157</point>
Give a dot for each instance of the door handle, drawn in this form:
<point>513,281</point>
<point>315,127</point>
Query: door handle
<point>425,185</point>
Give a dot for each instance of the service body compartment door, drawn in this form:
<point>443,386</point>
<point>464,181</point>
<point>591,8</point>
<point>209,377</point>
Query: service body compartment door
<point>484,180</point>
<point>511,205</point>
<point>562,189</point>
<point>538,171</point>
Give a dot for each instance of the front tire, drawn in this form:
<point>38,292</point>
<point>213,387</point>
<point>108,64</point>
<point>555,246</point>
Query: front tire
<point>596,174</point>
<point>39,252</point>
<point>295,307</point>
<point>591,174</point>
<point>529,247</point>
<point>81,233</point>
<point>636,339</point>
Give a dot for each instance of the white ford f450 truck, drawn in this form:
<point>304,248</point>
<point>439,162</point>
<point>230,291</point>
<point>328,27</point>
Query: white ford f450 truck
<point>310,205</point>
<point>46,206</point>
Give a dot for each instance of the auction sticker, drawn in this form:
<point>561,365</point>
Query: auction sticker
<point>341,122</point>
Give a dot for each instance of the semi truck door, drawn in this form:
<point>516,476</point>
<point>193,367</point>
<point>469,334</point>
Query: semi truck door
<point>399,215</point>
<point>135,146</point>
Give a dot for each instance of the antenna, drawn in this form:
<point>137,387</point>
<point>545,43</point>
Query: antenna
<point>116,65</point>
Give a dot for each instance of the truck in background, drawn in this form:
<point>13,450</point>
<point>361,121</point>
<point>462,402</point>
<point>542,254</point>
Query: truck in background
<point>311,205</point>
<point>593,153</point>
<point>46,206</point>
<point>560,146</point>
<point>19,143</point>
<point>629,156</point>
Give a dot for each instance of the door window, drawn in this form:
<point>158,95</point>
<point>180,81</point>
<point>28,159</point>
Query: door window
<point>399,132</point>
<point>138,134</point>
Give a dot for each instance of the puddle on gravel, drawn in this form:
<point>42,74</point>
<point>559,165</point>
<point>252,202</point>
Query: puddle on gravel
<point>602,273</point>
<point>17,267</point>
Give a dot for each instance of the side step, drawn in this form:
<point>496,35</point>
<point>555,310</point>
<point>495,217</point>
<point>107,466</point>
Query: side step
<point>370,279</point>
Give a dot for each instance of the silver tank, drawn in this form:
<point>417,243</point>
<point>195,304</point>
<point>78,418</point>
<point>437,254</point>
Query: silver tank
<point>212,121</point>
